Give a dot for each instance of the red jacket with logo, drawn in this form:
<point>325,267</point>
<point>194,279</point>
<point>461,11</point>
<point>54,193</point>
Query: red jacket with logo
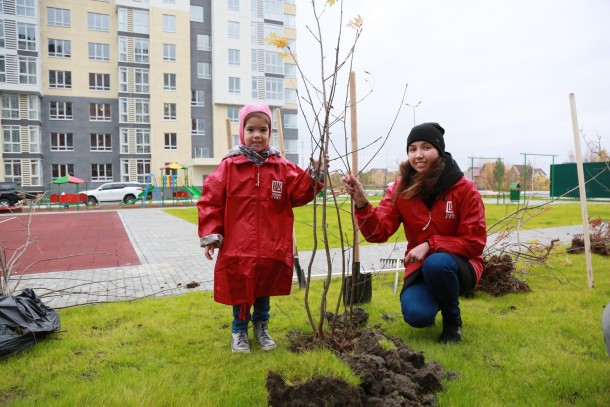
<point>455,224</point>
<point>251,207</point>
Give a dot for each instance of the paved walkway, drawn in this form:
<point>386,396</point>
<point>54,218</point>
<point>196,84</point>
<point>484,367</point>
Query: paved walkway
<point>172,261</point>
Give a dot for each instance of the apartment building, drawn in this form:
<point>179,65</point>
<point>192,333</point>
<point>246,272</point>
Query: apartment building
<point>112,90</point>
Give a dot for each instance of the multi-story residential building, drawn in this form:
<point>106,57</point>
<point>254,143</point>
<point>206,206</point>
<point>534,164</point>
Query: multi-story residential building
<point>112,90</point>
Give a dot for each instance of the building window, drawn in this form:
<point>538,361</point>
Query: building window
<point>140,21</point>
<point>61,170</point>
<point>234,85</point>
<point>142,141</point>
<point>34,132</point>
<point>27,70</point>
<point>141,80</point>
<point>12,171</point>
<point>197,97</point>
<point>234,57</point>
<point>26,37</point>
<point>273,29</point>
<point>60,110</point>
<point>99,81</point>
<point>204,70</point>
<point>2,33</point>
<point>142,110</point>
<point>10,106</point>
<point>254,60</point>
<point>233,114</point>
<point>274,10</point>
<point>254,85</point>
<point>125,170</point>
<point>59,17</point>
<point>290,95</point>
<point>101,172</point>
<point>122,19</point>
<point>169,81</point>
<point>140,50</point>
<point>35,172</point>
<point>274,88</point>
<point>2,69</point>
<point>123,114</point>
<point>203,42</point>
<point>99,51</point>
<point>123,84</point>
<point>98,22</point>
<point>99,112</point>
<point>142,170</point>
<point>169,52</point>
<point>274,63</point>
<point>122,49</point>
<point>124,141</point>
<point>171,141</point>
<point>33,107</point>
<point>290,70</point>
<point>100,142</point>
<point>11,139</point>
<point>25,8</point>
<point>59,48</point>
<point>197,14</point>
<point>169,23</point>
<point>289,20</point>
<point>233,5</point>
<point>60,79</point>
<point>169,111</point>
<point>290,121</point>
<point>234,29</point>
<point>198,127</point>
<point>62,142</point>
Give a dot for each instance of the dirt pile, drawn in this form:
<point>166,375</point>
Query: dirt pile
<point>599,236</point>
<point>498,278</point>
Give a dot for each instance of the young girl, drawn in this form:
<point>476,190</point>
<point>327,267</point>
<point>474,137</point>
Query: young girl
<point>444,221</point>
<point>245,210</point>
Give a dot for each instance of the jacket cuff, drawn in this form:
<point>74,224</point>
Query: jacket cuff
<point>211,239</point>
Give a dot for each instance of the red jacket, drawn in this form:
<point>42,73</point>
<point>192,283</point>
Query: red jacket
<point>251,207</point>
<point>456,223</point>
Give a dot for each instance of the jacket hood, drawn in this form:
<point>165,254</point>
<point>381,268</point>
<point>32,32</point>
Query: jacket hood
<point>246,110</point>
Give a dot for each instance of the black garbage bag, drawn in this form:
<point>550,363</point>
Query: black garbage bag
<point>24,320</point>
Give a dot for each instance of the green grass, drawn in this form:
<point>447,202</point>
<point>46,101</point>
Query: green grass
<point>551,216</point>
<point>542,348</point>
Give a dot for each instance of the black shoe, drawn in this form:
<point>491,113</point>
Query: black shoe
<point>452,330</point>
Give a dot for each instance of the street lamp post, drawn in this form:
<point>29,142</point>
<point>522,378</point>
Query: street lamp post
<point>413,107</point>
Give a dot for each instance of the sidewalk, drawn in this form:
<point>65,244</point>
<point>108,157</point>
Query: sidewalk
<point>171,259</point>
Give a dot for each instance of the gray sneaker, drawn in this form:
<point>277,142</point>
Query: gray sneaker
<point>262,335</point>
<point>239,342</point>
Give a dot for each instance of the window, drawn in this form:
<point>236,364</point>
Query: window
<point>26,36</point>
<point>142,170</point>
<point>101,142</point>
<point>169,23</point>
<point>34,132</point>
<point>234,29</point>
<point>234,85</point>
<point>10,106</point>
<point>290,70</point>
<point>2,69</point>
<point>122,19</point>
<point>99,112</point>
<point>62,142</point>
<point>140,21</point>
<point>12,171</point>
<point>197,14</point>
<point>197,97</point>
<point>99,81</point>
<point>33,107</point>
<point>25,8</point>
<point>98,22</point>
<point>60,110</point>
<point>142,141</point>
<point>101,172</point>
<point>169,111</point>
<point>59,48</point>
<point>58,17</point>
<point>234,57</point>
<point>27,70</point>
<point>35,172</point>
<point>198,127</point>
<point>273,29</point>
<point>255,87</point>
<point>2,34</point>
<point>233,5</point>
<point>254,60</point>
<point>171,141</point>
<point>169,81</point>
<point>273,63</point>
<point>289,20</point>
<point>60,79</point>
<point>99,52</point>
<point>141,80</point>
<point>274,10</point>
<point>123,85</point>
<point>140,52</point>
<point>233,114</point>
<point>290,121</point>
<point>274,88</point>
<point>124,141</point>
<point>254,32</point>
<point>290,95</point>
<point>122,49</point>
<point>123,113</point>
<point>11,139</point>
<point>203,42</point>
<point>169,52</point>
<point>204,70</point>
<point>142,110</point>
<point>61,170</point>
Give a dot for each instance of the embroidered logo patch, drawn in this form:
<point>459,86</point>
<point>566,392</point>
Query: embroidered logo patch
<point>276,189</point>
<point>449,210</point>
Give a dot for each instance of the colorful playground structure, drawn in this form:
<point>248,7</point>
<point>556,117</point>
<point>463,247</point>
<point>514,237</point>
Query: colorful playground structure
<point>170,187</point>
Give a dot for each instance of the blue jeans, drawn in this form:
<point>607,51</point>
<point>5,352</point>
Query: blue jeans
<point>437,288</point>
<point>261,312</point>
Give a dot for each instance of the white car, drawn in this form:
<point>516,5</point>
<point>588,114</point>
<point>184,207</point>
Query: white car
<point>126,192</point>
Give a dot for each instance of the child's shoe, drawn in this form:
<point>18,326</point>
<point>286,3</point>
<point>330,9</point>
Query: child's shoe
<point>239,342</point>
<point>262,335</point>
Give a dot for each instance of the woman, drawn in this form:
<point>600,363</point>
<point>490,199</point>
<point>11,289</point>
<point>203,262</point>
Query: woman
<point>444,221</point>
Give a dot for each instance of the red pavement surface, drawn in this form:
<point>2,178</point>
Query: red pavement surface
<point>98,238</point>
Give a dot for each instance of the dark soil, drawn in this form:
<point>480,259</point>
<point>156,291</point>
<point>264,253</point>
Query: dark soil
<point>599,236</point>
<point>498,277</point>
<point>392,373</point>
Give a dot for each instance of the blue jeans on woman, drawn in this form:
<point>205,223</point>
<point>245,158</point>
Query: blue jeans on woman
<point>436,288</point>
<point>261,313</point>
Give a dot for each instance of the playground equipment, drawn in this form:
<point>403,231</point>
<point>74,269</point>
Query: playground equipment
<point>170,187</point>
<point>151,188</point>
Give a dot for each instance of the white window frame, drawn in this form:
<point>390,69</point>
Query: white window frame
<point>11,139</point>
<point>234,85</point>
<point>35,138</point>
<point>98,22</point>
<point>122,18</point>
<point>103,171</point>
<point>290,121</point>
<point>10,106</point>
<point>274,63</point>
<point>234,57</point>
<point>197,97</point>
<point>2,35</point>
<point>35,172</point>
<point>122,44</point>
<point>2,69</point>
<point>198,127</point>
<point>100,142</point>
<point>62,141</point>
<point>99,81</point>
<point>99,51</point>
<point>123,110</point>
<point>123,79</point>
<point>169,111</point>
<point>170,141</point>
<point>142,110</point>
<point>26,8</point>
<point>142,170</point>
<point>60,110</point>
<point>169,23</point>
<point>274,88</point>
<point>33,107</point>
<point>169,52</point>
<point>61,170</point>
<point>12,171</point>
<point>290,95</point>
<point>141,80</point>
<point>124,137</point>
<point>204,70</point>
<point>27,70</point>
<point>99,112</point>
<point>141,50</point>
<point>169,81</point>
<point>203,42</point>
<point>233,29</point>
<point>196,14</point>
<point>142,141</point>
<point>141,22</point>
<point>233,5</point>
<point>273,10</point>
<point>60,79</point>
<point>233,114</point>
<point>58,17</point>
<point>61,48</point>
<point>26,36</point>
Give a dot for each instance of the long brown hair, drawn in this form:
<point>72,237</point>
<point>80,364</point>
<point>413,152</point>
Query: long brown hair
<point>412,184</point>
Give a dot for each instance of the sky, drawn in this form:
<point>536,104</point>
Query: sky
<point>496,75</point>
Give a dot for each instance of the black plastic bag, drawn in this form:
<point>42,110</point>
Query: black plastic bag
<point>24,320</point>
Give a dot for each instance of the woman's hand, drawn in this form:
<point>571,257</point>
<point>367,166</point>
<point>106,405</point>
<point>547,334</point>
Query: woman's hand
<point>418,253</point>
<point>354,188</point>
<point>209,250</point>
<point>321,165</point>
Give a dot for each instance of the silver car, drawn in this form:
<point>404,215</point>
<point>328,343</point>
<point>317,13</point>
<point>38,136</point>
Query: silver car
<point>126,192</point>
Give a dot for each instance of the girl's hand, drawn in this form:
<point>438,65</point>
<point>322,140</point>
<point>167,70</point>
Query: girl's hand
<point>209,250</point>
<point>354,188</point>
<point>418,253</point>
<point>321,165</point>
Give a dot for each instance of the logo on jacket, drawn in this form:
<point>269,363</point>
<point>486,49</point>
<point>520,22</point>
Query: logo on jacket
<point>276,189</point>
<point>449,214</point>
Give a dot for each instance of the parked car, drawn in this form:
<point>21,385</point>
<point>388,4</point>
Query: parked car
<point>10,194</point>
<point>125,192</point>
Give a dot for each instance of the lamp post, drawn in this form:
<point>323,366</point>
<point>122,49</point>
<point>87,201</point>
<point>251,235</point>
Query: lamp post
<point>414,107</point>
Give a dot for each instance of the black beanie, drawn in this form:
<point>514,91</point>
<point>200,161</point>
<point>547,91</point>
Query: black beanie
<point>429,132</point>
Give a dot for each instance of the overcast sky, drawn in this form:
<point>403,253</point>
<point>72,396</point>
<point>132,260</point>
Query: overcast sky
<point>495,74</point>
